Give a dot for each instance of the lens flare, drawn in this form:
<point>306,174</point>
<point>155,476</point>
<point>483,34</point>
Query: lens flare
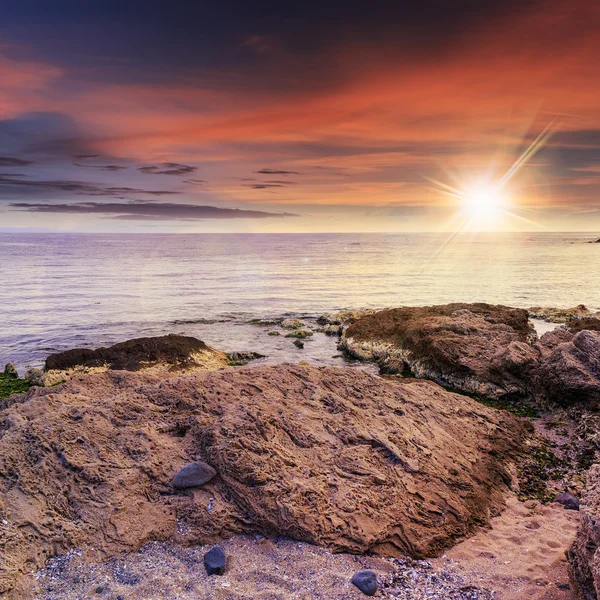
<point>483,204</point>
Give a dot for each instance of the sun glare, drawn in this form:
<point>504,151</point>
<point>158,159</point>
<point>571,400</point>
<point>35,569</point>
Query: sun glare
<point>483,204</point>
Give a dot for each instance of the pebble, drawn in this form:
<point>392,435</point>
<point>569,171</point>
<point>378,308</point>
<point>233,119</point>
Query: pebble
<point>193,475</point>
<point>214,561</point>
<point>366,582</point>
<point>567,499</point>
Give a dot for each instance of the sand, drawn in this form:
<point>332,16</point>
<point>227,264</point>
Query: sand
<point>522,555</point>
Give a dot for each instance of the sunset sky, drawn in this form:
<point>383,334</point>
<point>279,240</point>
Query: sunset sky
<point>284,116</point>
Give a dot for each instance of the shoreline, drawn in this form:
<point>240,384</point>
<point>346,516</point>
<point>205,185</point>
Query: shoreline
<point>555,460</point>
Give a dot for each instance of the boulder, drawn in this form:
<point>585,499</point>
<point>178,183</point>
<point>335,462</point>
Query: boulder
<point>569,369</point>
<point>331,456</point>
<point>170,351</point>
<point>168,354</point>
<point>584,554</point>
<point>474,348</point>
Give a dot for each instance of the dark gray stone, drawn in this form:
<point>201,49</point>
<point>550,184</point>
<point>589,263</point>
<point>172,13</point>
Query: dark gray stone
<point>567,499</point>
<point>193,475</point>
<point>366,582</point>
<point>214,561</point>
<point>298,344</point>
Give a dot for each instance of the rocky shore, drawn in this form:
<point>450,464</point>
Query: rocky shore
<point>170,441</point>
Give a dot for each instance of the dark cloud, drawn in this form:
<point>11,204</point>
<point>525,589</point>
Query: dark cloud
<point>102,167</point>
<point>264,186</point>
<point>168,168</point>
<point>83,156</point>
<point>195,181</point>
<point>276,172</point>
<point>8,161</point>
<point>148,210</point>
<point>74,187</point>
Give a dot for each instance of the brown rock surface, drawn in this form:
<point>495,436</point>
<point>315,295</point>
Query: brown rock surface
<point>335,457</point>
<point>569,369</point>
<point>584,555</point>
<point>476,348</point>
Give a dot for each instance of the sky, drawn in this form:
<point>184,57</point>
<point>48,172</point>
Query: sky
<point>298,116</point>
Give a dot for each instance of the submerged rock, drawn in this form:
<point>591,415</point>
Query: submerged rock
<point>474,348</point>
<point>360,463</point>
<point>301,334</point>
<point>293,324</point>
<point>243,358</point>
<point>366,582</point>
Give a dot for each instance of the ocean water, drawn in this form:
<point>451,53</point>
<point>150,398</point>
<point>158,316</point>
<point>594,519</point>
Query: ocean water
<point>61,291</point>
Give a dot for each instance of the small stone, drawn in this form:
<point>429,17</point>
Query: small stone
<point>563,586</point>
<point>36,377</point>
<point>298,344</point>
<point>567,499</point>
<point>10,371</point>
<point>99,589</point>
<point>366,582</point>
<point>119,597</point>
<point>193,475</point>
<point>214,561</point>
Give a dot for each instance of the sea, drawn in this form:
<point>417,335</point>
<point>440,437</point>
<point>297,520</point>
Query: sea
<point>61,291</point>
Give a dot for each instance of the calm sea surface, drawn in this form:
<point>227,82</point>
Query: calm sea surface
<point>65,290</point>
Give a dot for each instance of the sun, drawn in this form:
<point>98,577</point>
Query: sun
<point>483,204</point>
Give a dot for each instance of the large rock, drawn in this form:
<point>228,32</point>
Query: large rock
<point>167,354</point>
<point>475,348</point>
<point>569,369</point>
<point>584,555</point>
<point>336,457</point>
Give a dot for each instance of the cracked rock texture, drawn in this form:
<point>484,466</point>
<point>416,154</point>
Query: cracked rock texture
<point>335,457</point>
